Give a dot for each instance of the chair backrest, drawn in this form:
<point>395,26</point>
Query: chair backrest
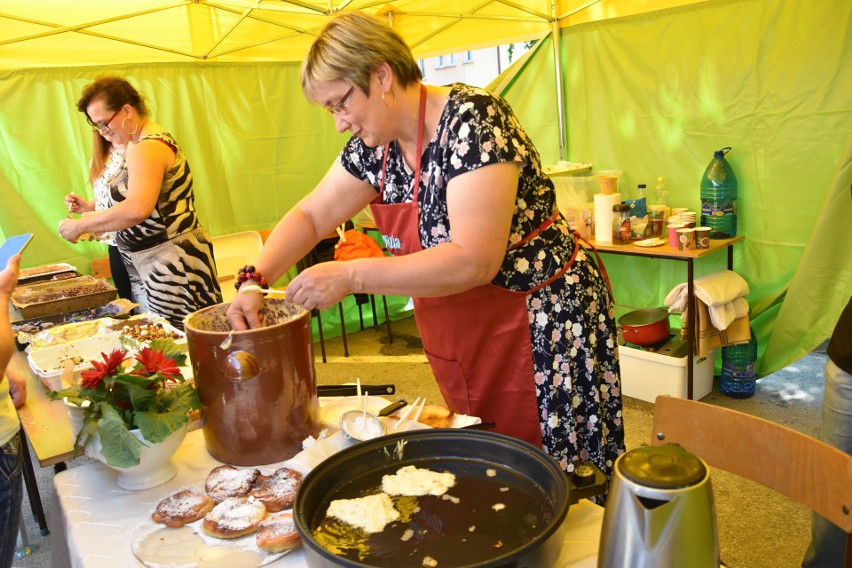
<point>796,465</point>
<point>101,268</point>
<point>232,252</point>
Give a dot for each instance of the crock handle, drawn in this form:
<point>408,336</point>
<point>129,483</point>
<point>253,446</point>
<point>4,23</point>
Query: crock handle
<point>240,366</point>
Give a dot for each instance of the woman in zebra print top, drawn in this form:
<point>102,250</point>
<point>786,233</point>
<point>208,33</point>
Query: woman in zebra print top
<point>167,252</point>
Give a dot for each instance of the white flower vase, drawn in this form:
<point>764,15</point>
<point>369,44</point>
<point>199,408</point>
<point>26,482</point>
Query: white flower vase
<point>155,461</point>
<point>75,415</point>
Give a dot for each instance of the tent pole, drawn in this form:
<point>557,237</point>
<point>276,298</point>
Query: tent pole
<point>557,66</point>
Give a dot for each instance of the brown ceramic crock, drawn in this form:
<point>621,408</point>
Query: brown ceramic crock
<point>258,387</point>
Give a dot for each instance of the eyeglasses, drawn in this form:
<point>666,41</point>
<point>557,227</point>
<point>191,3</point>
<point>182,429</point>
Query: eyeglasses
<point>103,127</point>
<point>340,108</point>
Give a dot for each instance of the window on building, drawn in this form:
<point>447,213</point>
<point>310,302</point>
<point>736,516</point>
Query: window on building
<point>446,61</point>
<point>467,57</point>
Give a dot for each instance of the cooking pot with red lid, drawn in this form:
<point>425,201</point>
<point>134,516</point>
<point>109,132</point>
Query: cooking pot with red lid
<point>645,327</point>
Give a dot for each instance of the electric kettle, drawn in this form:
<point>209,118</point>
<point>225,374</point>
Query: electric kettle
<point>660,512</point>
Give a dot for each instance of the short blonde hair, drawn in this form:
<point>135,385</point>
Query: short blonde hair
<point>351,47</point>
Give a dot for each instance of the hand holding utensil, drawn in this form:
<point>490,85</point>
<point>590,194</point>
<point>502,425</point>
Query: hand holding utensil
<point>265,291</point>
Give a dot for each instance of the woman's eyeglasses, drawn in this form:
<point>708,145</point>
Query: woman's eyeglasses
<point>340,107</point>
<point>103,127</point>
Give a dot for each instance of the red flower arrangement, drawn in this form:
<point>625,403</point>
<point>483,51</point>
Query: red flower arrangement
<point>150,394</point>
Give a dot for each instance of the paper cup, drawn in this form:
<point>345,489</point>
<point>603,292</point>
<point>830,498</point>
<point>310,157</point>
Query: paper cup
<point>685,239</point>
<point>672,229</point>
<point>608,184</point>
<point>702,237</point>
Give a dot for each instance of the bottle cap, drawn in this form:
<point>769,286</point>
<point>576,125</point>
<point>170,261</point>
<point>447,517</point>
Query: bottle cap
<point>642,185</point>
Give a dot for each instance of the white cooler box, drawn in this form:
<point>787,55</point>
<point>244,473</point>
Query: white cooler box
<point>646,375</point>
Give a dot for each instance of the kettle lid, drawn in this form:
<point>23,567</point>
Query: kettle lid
<point>663,467</point>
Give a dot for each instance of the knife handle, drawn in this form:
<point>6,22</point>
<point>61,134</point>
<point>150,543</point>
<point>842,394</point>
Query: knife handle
<point>392,407</point>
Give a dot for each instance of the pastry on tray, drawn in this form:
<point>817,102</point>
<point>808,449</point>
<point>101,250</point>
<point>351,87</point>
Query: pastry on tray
<point>182,508</point>
<point>228,481</point>
<point>277,534</point>
<point>277,491</point>
<point>234,517</point>
<point>436,416</point>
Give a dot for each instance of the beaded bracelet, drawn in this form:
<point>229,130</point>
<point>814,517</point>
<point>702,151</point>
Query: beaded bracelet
<point>249,273</point>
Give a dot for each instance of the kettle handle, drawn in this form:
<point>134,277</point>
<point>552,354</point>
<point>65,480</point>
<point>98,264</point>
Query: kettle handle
<point>240,366</point>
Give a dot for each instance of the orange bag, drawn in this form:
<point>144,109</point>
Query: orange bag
<point>355,244</point>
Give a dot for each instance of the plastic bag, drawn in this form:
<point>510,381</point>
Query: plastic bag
<point>355,244</point>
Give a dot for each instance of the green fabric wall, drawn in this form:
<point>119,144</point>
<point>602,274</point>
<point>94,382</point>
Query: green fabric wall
<point>656,94</point>
<point>653,94</point>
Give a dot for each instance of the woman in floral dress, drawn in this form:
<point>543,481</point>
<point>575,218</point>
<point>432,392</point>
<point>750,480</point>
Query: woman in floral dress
<point>516,319</point>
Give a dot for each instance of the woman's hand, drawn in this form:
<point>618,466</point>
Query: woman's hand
<point>70,230</point>
<point>243,311</point>
<point>321,286</point>
<point>76,204</point>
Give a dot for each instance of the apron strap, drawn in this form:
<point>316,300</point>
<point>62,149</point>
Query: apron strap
<point>600,262</point>
<point>421,124</point>
<point>538,230</point>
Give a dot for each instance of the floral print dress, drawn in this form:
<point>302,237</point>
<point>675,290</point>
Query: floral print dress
<point>572,320</point>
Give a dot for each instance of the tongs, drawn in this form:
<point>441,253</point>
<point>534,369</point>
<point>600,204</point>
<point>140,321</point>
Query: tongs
<point>352,390</point>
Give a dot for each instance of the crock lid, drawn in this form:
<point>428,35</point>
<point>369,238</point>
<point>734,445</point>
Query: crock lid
<point>662,467</point>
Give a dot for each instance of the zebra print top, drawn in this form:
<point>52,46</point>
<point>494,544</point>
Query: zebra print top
<point>174,213</point>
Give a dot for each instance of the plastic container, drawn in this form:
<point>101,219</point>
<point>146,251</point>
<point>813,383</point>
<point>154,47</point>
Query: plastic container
<point>738,378</point>
<point>621,224</point>
<point>646,375</point>
<point>719,197</point>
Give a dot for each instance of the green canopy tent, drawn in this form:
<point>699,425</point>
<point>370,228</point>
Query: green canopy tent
<point>650,87</point>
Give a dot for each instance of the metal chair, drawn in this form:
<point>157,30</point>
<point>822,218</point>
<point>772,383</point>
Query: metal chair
<point>798,466</point>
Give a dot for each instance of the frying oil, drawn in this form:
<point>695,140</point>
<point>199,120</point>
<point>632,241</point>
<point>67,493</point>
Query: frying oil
<point>484,515</point>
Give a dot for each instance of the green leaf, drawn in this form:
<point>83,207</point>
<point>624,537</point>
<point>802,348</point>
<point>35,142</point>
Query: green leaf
<point>170,349</point>
<point>119,447</point>
<point>156,427</point>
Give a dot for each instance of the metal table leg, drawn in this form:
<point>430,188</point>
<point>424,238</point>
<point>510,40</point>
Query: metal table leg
<point>32,485</point>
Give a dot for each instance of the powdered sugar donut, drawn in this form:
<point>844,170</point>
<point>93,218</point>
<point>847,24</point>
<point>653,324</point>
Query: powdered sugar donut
<point>278,533</point>
<point>234,517</point>
<point>228,481</point>
<point>182,508</point>
<point>277,491</point>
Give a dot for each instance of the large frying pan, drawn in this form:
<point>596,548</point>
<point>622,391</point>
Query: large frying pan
<point>491,470</point>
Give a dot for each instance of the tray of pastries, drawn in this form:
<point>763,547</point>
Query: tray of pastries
<point>62,296</point>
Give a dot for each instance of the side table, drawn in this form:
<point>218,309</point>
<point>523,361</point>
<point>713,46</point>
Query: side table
<point>670,253</point>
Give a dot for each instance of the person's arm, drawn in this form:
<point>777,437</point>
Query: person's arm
<point>78,204</point>
<point>339,196</point>
<point>480,206</point>
<point>8,280</point>
<point>147,165</point>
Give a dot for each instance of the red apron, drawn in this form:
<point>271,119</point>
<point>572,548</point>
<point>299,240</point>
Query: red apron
<point>477,342</point>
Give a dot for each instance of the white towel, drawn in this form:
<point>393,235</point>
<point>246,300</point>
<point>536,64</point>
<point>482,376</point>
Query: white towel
<point>715,289</point>
<point>722,292</point>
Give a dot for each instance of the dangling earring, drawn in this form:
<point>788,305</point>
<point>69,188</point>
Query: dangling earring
<point>393,104</point>
<point>135,125</point>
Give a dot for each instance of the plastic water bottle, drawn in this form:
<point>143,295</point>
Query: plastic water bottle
<point>719,197</point>
<point>738,376</point>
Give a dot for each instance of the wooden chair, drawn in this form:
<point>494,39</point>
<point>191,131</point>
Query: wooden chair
<point>101,269</point>
<point>798,466</point>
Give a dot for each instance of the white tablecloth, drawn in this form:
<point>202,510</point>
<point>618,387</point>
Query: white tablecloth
<point>94,520</point>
